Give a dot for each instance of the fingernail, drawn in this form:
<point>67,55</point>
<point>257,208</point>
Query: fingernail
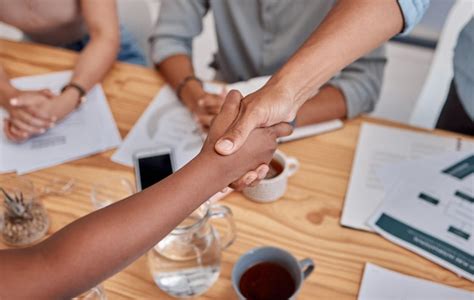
<point>14,101</point>
<point>201,102</point>
<point>54,118</point>
<point>225,145</point>
<point>42,131</point>
<point>250,179</point>
<point>51,125</point>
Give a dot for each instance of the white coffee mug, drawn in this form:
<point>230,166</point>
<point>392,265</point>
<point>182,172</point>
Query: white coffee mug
<point>269,190</point>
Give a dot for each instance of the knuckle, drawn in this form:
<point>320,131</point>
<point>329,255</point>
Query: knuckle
<point>237,131</point>
<point>232,101</point>
<point>270,132</point>
<point>257,113</point>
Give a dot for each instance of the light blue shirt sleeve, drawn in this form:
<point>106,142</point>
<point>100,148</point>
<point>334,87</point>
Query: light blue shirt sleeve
<point>413,11</point>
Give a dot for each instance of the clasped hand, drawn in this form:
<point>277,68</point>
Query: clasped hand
<point>255,153</point>
<point>266,107</point>
<point>32,113</point>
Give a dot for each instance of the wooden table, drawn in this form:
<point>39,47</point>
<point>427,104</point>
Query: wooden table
<point>305,221</point>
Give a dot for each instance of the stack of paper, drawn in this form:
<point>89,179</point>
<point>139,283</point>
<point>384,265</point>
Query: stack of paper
<point>379,283</point>
<point>167,122</point>
<point>88,130</point>
<point>417,190</point>
<point>379,146</point>
<point>429,209</point>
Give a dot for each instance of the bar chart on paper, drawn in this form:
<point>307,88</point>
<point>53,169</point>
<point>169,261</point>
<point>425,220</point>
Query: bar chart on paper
<point>430,210</point>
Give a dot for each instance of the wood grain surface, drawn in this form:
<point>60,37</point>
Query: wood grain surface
<point>305,221</point>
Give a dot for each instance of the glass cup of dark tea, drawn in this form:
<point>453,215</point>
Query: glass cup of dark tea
<point>269,273</point>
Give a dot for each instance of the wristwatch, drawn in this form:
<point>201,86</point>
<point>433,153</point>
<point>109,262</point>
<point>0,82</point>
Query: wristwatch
<point>80,89</point>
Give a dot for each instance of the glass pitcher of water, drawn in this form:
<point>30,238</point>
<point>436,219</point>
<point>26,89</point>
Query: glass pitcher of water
<point>186,263</point>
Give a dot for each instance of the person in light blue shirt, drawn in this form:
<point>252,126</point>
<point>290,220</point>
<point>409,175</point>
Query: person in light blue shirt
<point>413,11</point>
<point>349,30</point>
<point>256,38</point>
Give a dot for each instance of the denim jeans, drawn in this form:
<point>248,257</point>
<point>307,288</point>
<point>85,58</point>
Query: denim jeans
<point>129,52</point>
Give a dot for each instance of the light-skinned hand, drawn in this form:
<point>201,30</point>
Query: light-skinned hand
<point>23,120</point>
<point>249,164</point>
<point>33,115</point>
<point>265,107</point>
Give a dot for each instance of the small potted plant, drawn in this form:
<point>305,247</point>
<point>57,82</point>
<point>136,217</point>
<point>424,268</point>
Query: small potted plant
<point>25,220</point>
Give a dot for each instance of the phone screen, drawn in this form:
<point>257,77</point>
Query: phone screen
<point>153,169</point>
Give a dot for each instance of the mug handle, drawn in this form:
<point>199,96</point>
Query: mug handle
<point>306,266</point>
<point>224,212</point>
<point>293,165</point>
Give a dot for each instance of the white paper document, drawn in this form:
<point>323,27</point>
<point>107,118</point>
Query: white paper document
<point>381,284</point>
<point>379,146</point>
<point>168,123</point>
<point>430,210</point>
<point>165,123</point>
<point>88,130</point>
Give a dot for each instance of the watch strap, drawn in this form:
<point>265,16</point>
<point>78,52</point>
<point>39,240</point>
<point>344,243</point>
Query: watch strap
<point>79,89</point>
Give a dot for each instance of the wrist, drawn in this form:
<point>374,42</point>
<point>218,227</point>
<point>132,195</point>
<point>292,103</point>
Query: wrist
<point>66,102</point>
<point>78,91</point>
<point>295,86</point>
<point>6,93</point>
<point>277,96</point>
<point>216,168</point>
<point>191,92</point>
<point>280,85</point>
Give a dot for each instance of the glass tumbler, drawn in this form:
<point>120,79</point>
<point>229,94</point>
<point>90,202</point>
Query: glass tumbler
<point>110,190</point>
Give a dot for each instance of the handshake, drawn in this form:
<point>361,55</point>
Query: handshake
<point>245,137</point>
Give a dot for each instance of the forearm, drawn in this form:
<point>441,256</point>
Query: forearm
<point>92,248</point>
<point>351,29</point>
<point>175,69</point>
<point>100,53</point>
<point>326,105</point>
<point>95,60</point>
<point>7,90</point>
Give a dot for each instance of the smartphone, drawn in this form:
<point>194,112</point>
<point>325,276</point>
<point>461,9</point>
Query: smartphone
<point>152,165</point>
